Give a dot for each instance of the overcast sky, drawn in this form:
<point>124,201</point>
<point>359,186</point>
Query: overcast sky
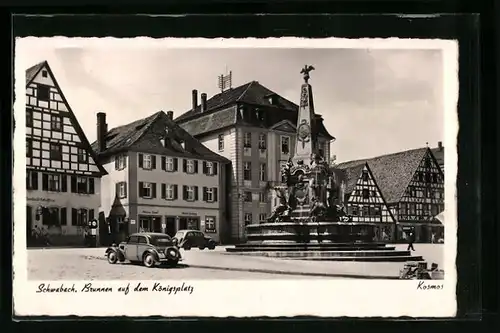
<point>373,101</point>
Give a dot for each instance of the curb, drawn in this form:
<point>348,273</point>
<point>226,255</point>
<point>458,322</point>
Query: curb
<point>270,271</point>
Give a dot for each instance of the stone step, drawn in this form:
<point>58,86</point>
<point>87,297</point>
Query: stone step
<point>364,259</point>
<point>293,245</point>
<point>328,254</point>
<point>305,248</point>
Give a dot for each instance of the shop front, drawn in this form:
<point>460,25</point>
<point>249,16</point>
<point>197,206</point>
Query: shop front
<point>424,232</point>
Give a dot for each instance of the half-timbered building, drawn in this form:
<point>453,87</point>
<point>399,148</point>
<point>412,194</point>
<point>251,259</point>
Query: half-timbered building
<point>412,185</point>
<point>160,179</point>
<point>62,172</point>
<point>255,129</point>
<point>365,202</point>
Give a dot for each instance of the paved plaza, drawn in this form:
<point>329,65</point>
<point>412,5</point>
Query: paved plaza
<point>91,264</point>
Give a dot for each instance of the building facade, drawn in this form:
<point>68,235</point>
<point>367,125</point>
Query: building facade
<point>62,172</point>
<point>412,185</point>
<point>254,128</point>
<point>160,179</point>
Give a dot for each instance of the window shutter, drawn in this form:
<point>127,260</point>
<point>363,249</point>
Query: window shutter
<point>141,186</point>
<point>216,194</point>
<point>141,160</point>
<point>124,161</point>
<point>91,214</point>
<point>205,194</point>
<point>184,165</point>
<point>116,163</point>
<point>175,164</point>
<point>153,190</point>
<point>216,167</point>
<point>153,162</point>
<point>117,190</point>
<point>195,166</point>
<point>163,163</point>
<point>63,216</point>
<point>73,184</point>
<point>163,191</point>
<point>124,189</point>
<point>64,183</point>
<point>74,216</point>
<point>91,185</point>
<point>45,182</point>
<point>184,192</point>
<point>175,192</point>
<point>34,180</point>
<point>205,171</point>
<point>195,193</point>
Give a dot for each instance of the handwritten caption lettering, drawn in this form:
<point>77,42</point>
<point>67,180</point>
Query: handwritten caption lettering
<point>125,289</point>
<point>422,285</point>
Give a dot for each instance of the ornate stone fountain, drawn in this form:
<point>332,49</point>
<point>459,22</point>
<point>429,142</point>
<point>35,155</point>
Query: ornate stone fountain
<point>310,220</point>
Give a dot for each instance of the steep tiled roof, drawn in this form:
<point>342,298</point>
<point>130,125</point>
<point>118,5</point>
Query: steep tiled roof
<point>252,92</point>
<point>33,71</point>
<point>392,172</point>
<point>221,112</point>
<point>128,136</point>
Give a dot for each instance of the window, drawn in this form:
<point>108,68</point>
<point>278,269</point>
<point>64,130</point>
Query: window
<point>263,197</point>
<point>120,162</point>
<point>121,190</point>
<point>31,180</point>
<point>285,145</point>
<point>262,172</point>
<point>247,195</point>
<point>262,218</point>
<point>54,182</point>
<point>247,140</point>
<point>29,118</point>
<point>29,148</point>
<point>420,176</point>
<point>248,218</point>
<point>434,210</point>
<point>210,168</point>
<point>190,193</point>
<point>221,142</point>
<point>190,166</point>
<point>366,211</point>
<point>55,151</point>
<point>43,92</point>
<point>56,123</point>
<point>147,161</point>
<point>210,224</point>
<point>365,176</point>
<point>428,177</point>
<point>81,184</point>
<point>262,141</point>
<point>247,171</point>
<point>354,210</point>
<point>434,178</point>
<point>169,192</point>
<point>82,155</point>
<point>376,211</point>
<point>147,190</point>
<point>80,217</point>
<point>373,193</point>
<point>169,164</point>
<point>210,194</point>
<point>365,193</point>
<point>411,209</point>
<point>404,209</point>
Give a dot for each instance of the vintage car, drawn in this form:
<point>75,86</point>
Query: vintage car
<point>417,270</point>
<point>187,239</point>
<point>149,248</point>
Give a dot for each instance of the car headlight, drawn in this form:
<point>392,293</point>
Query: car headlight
<point>172,253</point>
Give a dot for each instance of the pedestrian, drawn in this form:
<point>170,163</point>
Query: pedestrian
<point>433,238</point>
<point>411,240</point>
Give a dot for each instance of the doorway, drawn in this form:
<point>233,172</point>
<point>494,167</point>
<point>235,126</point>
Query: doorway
<point>170,226</point>
<point>150,224</point>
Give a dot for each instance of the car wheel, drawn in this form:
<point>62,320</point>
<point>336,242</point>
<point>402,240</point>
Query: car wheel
<point>148,260</point>
<point>202,247</point>
<point>211,246</point>
<point>112,257</point>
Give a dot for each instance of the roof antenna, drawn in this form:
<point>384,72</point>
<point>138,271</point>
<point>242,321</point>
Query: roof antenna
<point>225,81</point>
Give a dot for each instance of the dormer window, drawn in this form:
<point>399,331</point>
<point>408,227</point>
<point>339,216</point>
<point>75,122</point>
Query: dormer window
<point>183,144</point>
<point>272,99</point>
<point>44,73</point>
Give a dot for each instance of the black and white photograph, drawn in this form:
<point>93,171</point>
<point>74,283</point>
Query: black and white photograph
<point>243,171</point>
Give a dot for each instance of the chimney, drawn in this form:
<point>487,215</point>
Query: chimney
<point>440,145</point>
<point>170,115</point>
<point>195,98</point>
<point>102,129</point>
<point>203,102</point>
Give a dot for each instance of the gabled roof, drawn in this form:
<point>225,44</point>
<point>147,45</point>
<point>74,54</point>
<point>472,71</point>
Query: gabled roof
<point>127,137</point>
<point>392,172</point>
<point>439,155</point>
<point>31,73</point>
<point>252,93</point>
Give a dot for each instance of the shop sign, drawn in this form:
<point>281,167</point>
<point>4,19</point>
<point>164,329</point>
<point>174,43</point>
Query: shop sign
<point>150,211</point>
<point>189,213</point>
<point>132,221</point>
<point>41,199</point>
